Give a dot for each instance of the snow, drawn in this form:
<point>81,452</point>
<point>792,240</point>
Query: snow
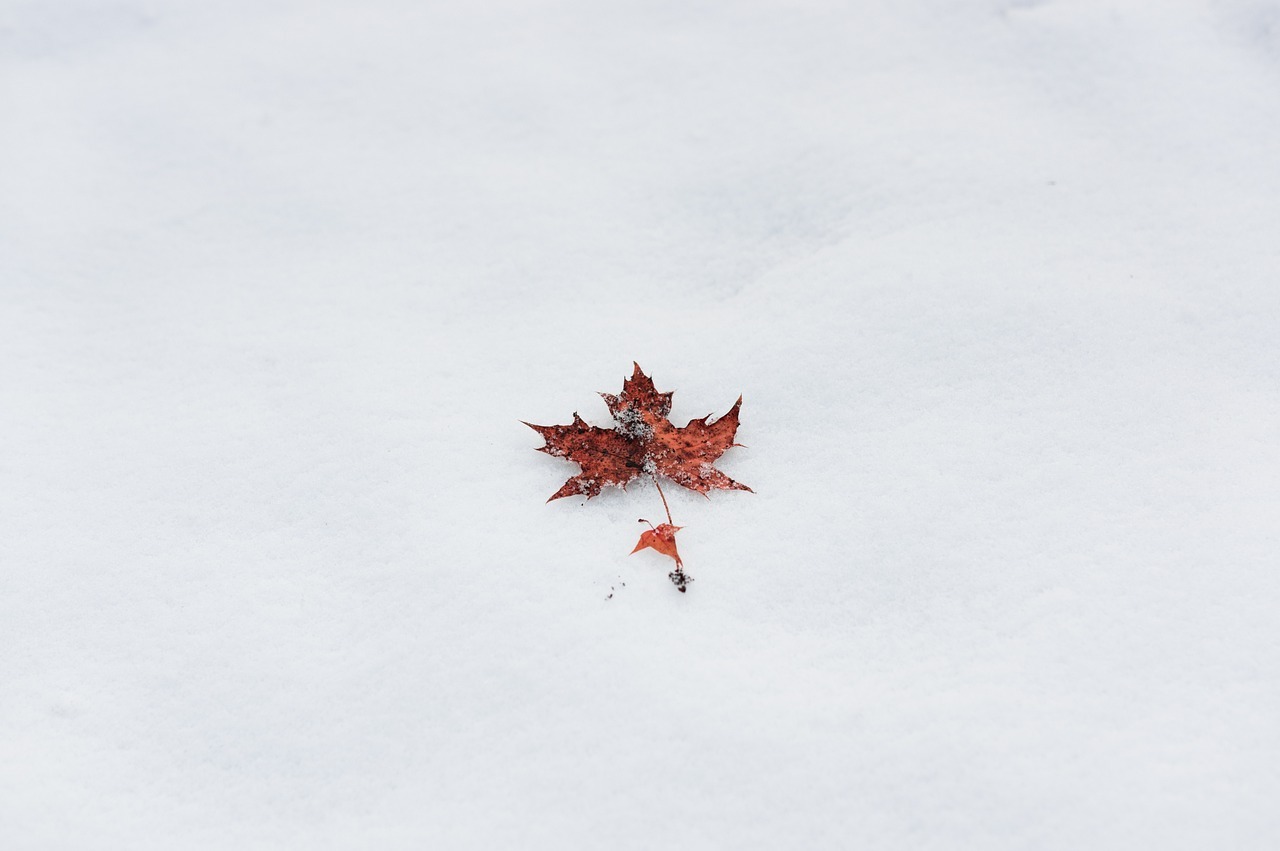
<point>997,281</point>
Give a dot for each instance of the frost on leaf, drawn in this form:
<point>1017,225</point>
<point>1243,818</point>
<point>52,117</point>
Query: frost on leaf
<point>642,442</point>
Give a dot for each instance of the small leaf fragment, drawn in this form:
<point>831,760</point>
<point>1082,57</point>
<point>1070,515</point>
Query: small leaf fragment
<point>663,539</point>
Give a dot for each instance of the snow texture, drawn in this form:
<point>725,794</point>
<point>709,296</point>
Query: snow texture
<point>997,279</point>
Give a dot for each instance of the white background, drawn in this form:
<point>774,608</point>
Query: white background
<point>998,281</point>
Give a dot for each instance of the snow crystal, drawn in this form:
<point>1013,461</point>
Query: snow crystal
<point>631,422</point>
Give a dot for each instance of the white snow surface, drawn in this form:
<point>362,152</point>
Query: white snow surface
<point>998,281</point>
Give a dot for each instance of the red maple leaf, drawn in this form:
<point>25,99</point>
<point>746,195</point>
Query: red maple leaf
<point>642,442</point>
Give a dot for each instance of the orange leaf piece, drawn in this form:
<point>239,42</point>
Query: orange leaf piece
<point>642,442</point>
<point>663,539</point>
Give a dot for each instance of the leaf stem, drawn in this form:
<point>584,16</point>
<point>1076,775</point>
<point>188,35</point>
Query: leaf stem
<point>664,499</point>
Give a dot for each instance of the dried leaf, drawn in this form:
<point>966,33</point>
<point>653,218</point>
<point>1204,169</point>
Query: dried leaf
<point>643,442</point>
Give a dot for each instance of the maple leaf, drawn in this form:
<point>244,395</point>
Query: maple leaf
<point>643,442</point>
